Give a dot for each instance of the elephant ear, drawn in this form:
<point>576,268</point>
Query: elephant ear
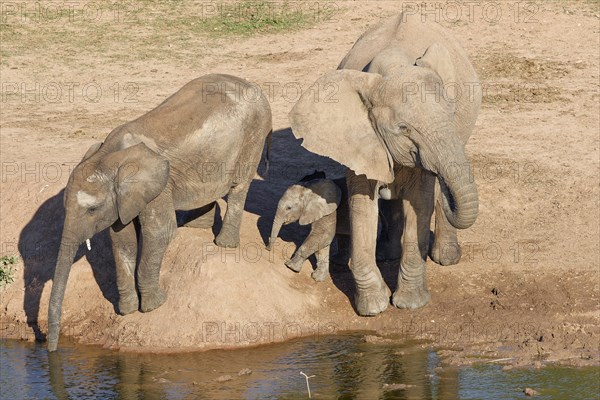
<point>141,176</point>
<point>321,198</point>
<point>332,117</point>
<point>438,59</point>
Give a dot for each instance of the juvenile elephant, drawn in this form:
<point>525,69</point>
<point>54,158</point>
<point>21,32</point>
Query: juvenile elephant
<point>315,202</point>
<point>405,102</point>
<point>200,144</point>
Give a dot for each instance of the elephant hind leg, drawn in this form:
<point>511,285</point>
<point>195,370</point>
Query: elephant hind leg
<point>255,138</point>
<point>203,217</point>
<point>230,231</point>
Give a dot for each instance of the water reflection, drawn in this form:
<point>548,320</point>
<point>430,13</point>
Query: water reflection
<point>345,367</point>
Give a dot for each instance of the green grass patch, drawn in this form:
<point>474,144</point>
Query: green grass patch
<point>7,273</point>
<point>250,17</point>
<point>124,32</point>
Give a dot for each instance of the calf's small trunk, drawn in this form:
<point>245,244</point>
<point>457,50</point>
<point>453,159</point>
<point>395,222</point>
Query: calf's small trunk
<point>277,224</point>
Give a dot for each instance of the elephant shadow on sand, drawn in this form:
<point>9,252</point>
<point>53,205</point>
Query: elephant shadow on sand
<point>39,241</point>
<point>289,163</point>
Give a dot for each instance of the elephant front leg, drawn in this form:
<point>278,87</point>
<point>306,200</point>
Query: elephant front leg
<point>372,294</point>
<point>230,232</point>
<point>445,249</point>
<point>321,235</point>
<point>322,271</point>
<point>417,205</point>
<point>159,225</point>
<point>125,247</point>
<point>295,263</point>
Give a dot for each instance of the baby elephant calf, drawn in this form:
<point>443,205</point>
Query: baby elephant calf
<point>315,202</point>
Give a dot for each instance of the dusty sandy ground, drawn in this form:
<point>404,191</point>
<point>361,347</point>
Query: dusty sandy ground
<point>527,288</point>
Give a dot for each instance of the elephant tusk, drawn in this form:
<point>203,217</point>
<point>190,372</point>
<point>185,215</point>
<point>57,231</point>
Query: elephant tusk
<point>88,244</point>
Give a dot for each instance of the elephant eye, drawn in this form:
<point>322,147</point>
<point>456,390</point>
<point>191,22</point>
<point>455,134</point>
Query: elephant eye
<point>288,207</point>
<point>403,129</point>
<point>92,210</point>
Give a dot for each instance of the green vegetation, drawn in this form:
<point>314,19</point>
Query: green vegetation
<point>6,271</point>
<point>249,17</point>
<point>106,30</point>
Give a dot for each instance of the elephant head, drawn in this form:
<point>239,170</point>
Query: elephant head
<point>398,113</point>
<point>103,188</point>
<point>306,203</point>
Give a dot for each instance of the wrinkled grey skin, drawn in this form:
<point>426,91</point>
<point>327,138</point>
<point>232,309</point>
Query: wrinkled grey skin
<point>200,144</point>
<point>403,103</point>
<point>313,202</point>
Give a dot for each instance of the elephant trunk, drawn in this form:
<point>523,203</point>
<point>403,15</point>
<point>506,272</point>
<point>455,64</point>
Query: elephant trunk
<point>66,254</point>
<point>444,154</point>
<point>277,224</point>
<point>459,202</point>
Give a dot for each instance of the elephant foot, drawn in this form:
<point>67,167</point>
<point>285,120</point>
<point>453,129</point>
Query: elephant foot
<point>226,238</point>
<point>128,304</point>
<point>371,302</point>
<point>320,274</point>
<point>411,296</point>
<point>445,253</point>
<point>153,301</point>
<point>294,264</point>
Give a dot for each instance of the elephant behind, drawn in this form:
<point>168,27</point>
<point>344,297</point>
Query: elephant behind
<point>406,101</point>
<point>202,143</point>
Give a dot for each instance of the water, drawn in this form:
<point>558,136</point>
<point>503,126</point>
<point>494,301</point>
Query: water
<point>344,367</point>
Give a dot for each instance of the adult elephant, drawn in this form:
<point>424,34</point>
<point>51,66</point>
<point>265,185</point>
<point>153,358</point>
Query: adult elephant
<point>200,144</point>
<point>403,103</point>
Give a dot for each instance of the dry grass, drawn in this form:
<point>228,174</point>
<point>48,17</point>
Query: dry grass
<point>143,30</point>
